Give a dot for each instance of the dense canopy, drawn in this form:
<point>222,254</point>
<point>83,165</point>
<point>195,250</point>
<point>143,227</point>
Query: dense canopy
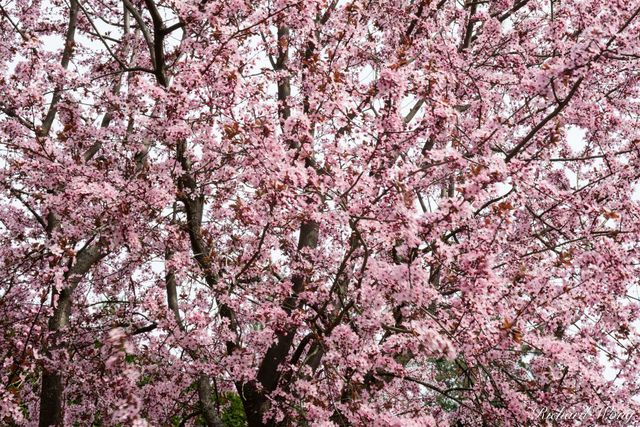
<point>319,212</point>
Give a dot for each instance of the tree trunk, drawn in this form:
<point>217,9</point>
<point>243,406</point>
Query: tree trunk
<point>204,385</point>
<point>52,390</point>
<point>51,393</point>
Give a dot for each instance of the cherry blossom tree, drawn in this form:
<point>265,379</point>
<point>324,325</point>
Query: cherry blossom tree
<point>321,212</point>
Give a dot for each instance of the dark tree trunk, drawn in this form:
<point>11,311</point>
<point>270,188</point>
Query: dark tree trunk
<point>51,399</point>
<point>52,391</point>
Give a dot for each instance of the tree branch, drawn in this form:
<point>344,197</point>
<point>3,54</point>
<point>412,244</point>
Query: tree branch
<point>522,144</point>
